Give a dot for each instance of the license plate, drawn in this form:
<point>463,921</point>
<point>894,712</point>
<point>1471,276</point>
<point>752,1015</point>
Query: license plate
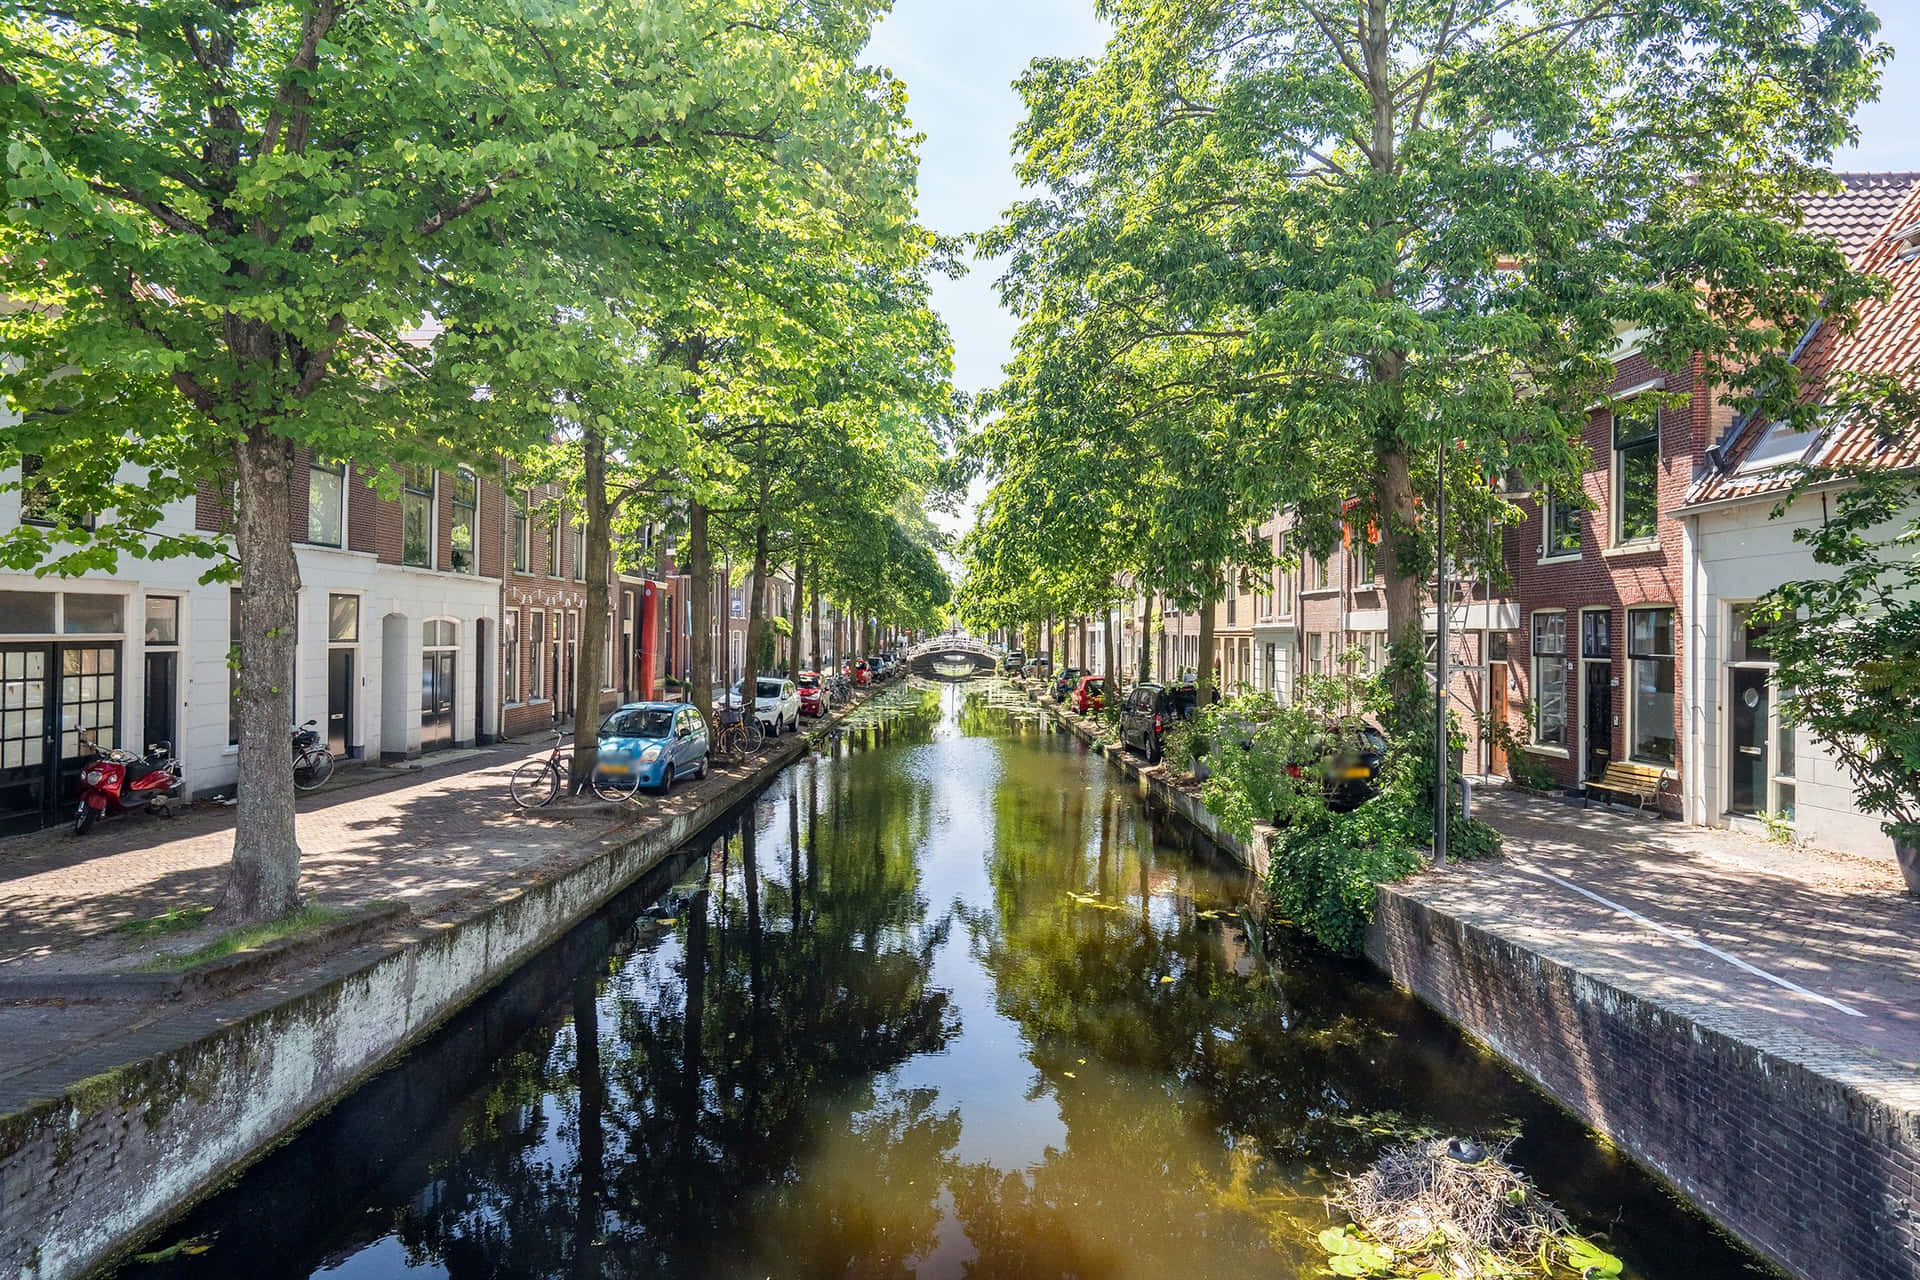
<point>615,767</point>
<point>1359,771</point>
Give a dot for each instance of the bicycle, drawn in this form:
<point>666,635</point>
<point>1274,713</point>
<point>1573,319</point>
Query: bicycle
<point>739,736</point>
<point>538,783</point>
<point>312,762</point>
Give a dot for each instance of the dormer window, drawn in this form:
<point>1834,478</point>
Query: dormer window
<point>1906,243</point>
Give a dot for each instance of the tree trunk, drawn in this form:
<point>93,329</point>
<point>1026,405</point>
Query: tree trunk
<point>1146,637</point>
<point>813,622</point>
<point>1404,570</point>
<point>756,616</point>
<point>263,881</point>
<point>1110,618</point>
<point>794,615</point>
<point>588,676</point>
<point>1204,674</point>
<point>700,643</point>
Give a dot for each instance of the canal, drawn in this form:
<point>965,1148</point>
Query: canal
<point>942,1001</point>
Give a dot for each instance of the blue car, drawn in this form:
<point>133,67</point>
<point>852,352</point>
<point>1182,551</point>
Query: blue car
<point>656,742</point>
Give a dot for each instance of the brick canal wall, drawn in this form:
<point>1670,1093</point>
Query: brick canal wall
<point>86,1175</point>
<point>1813,1169</point>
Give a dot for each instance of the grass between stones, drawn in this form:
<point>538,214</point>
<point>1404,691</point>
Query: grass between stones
<point>178,920</point>
<point>246,938</point>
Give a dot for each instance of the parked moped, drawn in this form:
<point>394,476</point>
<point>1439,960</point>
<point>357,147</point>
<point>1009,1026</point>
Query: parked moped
<point>122,782</point>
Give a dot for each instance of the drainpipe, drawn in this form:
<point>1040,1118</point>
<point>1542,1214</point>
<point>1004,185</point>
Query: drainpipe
<point>1693,762</point>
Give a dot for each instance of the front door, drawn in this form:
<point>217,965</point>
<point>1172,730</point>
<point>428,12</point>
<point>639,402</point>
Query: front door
<point>436,699</point>
<point>339,701</point>
<point>1596,717</point>
<point>1747,761</point>
<point>1496,716</point>
<point>28,719</point>
<point>163,694</point>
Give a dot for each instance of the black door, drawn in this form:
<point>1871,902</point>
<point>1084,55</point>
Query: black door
<point>480,669</point>
<point>29,717</point>
<point>1747,762</point>
<point>163,695</point>
<point>436,699</point>
<point>1596,717</point>
<point>339,700</point>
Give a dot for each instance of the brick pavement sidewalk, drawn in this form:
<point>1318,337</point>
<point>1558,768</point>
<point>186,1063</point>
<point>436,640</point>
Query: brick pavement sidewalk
<point>1811,953</point>
<point>427,839</point>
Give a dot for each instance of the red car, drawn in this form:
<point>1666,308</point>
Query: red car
<point>807,683</point>
<point>1091,695</point>
<point>862,673</point>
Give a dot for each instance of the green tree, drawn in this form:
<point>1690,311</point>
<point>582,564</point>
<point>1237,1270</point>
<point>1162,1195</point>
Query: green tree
<point>1338,238</point>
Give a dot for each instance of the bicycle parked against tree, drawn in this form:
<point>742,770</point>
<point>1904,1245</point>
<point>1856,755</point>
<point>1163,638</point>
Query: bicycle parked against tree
<point>538,783</point>
<point>312,762</point>
<point>739,736</point>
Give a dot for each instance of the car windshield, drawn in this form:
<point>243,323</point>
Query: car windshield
<point>638,722</point>
<point>808,682</point>
<point>768,688</point>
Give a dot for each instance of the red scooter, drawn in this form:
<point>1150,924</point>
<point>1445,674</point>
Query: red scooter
<point>124,782</point>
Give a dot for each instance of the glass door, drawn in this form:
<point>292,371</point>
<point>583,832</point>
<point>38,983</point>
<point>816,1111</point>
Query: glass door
<point>339,701</point>
<point>27,723</point>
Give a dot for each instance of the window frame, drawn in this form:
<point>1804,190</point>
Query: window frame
<point>1635,657</point>
<point>464,478</point>
<point>1646,442</point>
<point>510,657</point>
<point>536,655</point>
<point>1553,512</point>
<point>553,547</point>
<point>338,470</point>
<point>411,493</point>
<point>1540,658</point>
<point>520,532</point>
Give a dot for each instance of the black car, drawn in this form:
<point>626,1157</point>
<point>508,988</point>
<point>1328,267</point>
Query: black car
<point>1150,711</point>
<point>1348,757</point>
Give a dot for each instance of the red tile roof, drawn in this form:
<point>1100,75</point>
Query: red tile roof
<point>1885,341</point>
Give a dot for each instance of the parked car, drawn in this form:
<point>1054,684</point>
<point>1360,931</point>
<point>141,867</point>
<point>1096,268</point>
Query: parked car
<point>1150,710</point>
<point>807,685</point>
<point>657,742</point>
<point>860,671</point>
<point>776,704</point>
<point>1348,757</point>
<point>1014,660</point>
<point>882,666</point>
<point>1090,694</point>
<point>1066,682</point>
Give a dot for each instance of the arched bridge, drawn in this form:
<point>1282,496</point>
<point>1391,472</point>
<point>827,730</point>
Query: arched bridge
<point>952,658</point>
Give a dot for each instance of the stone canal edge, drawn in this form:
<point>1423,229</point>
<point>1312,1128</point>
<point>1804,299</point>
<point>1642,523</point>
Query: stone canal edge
<point>1807,1153</point>
<point>86,1175</point>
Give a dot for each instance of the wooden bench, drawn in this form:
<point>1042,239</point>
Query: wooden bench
<point>1643,783</point>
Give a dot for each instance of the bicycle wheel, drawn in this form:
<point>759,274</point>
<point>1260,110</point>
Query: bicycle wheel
<point>536,783</point>
<point>313,766</point>
<point>616,787</point>
<point>752,737</point>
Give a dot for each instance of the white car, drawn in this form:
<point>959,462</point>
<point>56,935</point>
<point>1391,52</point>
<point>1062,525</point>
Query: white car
<point>776,704</point>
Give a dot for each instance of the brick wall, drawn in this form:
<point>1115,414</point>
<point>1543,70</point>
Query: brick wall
<point>1616,582</point>
<point>1821,1176</point>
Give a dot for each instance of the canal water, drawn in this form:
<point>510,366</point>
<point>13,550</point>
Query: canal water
<point>942,1001</point>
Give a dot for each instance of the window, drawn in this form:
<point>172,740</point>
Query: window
<point>1636,476</point>
<point>343,619</point>
<point>90,615</point>
<point>536,656</point>
<point>1561,521</point>
<point>163,620</point>
<point>1650,656</point>
<point>522,534</point>
<point>439,633</point>
<point>1550,679</point>
<point>553,549</point>
<point>466,515</point>
<point>1596,633</point>
<point>606,664</point>
<point>510,654</point>
<point>1232,602</point>
<point>233,668</point>
<point>1320,579</point>
<point>326,503</point>
<point>27,612</point>
<point>1363,569</point>
<point>38,502</point>
<point>416,517</point>
<point>580,550</point>
<point>1314,643</point>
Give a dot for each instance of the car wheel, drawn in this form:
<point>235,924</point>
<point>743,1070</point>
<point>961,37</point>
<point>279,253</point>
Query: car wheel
<point>1153,748</point>
<point>706,764</point>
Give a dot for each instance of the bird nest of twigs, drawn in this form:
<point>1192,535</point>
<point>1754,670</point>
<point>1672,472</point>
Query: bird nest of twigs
<point>1457,1209</point>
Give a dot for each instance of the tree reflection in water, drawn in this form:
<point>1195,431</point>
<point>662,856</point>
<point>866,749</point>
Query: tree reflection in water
<point>940,1002</point>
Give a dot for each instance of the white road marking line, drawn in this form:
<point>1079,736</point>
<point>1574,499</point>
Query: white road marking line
<point>1677,936</point>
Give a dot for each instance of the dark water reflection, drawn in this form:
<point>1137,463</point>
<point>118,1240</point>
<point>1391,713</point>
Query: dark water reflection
<point>939,1002</point>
